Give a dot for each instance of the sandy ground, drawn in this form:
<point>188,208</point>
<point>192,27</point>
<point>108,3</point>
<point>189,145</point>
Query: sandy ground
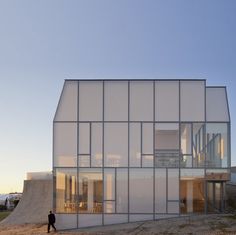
<point>203,224</point>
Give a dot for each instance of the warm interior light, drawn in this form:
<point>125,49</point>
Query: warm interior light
<point>222,148</point>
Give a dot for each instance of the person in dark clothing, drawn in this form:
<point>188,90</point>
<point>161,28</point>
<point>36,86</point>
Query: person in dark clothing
<point>51,221</point>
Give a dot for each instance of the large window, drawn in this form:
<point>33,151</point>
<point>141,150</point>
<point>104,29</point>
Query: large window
<point>198,145</point>
<point>90,191</point>
<point>192,191</point>
<point>167,145</point>
<point>186,145</point>
<point>217,145</point>
<point>66,190</point>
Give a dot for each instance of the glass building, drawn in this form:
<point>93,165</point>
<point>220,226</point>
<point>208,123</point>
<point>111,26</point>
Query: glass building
<point>135,150</point>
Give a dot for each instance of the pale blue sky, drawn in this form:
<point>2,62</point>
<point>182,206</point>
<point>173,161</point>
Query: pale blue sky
<point>44,42</point>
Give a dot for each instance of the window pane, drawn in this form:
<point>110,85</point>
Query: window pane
<point>116,101</point>
<point>216,104</point>
<point>109,184</point>
<point>141,101</point>
<point>96,145</point>
<point>192,97</point>
<point>90,191</point>
<point>160,190</point>
<point>116,144</point>
<point>147,138</point>
<point>84,160</point>
<point>122,190</point>
<point>167,145</point>
<point>141,191</point>
<point>192,191</point>
<point>84,138</point>
<point>217,145</point>
<point>186,139</point>
<point>135,144</point>
<point>65,144</point>
<point>198,145</point>
<point>88,220</point>
<point>173,184</point>
<point>115,218</point>
<point>173,207</point>
<point>109,207</point>
<point>186,161</point>
<point>66,181</point>
<point>67,106</point>
<point>167,101</point>
<point>90,101</point>
<point>147,160</point>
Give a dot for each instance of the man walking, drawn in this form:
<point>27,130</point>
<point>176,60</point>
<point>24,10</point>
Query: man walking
<point>51,221</point>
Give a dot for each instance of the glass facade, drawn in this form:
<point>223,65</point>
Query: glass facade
<point>133,150</point>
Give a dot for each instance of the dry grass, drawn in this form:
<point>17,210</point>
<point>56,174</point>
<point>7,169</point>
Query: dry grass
<point>4,214</point>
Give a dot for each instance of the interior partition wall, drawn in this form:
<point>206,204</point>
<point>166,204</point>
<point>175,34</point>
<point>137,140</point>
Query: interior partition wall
<point>134,150</point>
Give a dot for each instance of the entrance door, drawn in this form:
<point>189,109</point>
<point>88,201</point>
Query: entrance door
<point>215,197</point>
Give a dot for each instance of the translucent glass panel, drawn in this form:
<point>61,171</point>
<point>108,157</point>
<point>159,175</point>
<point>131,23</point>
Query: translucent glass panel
<point>116,101</point>
<point>109,184</point>
<point>141,191</point>
<point>67,106</point>
<point>116,144</point>
<point>173,184</point>
<point>167,145</point>
<point>84,138</point>
<point>167,101</point>
<point>122,190</point>
<point>96,145</point>
<point>90,191</point>
<point>141,101</point>
<point>173,207</point>
<point>84,160</point>
<point>147,138</point>
<point>198,145</point>
<point>66,184</point>
<point>90,101</point>
<point>115,219</point>
<point>65,144</point>
<point>135,144</point>
<point>217,145</point>
<point>160,190</point>
<point>66,221</point>
<point>109,206</point>
<point>89,220</point>
<point>216,104</point>
<point>192,98</point>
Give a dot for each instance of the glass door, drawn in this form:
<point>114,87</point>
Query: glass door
<point>215,197</point>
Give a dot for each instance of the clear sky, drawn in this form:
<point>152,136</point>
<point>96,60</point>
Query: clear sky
<point>43,42</point>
